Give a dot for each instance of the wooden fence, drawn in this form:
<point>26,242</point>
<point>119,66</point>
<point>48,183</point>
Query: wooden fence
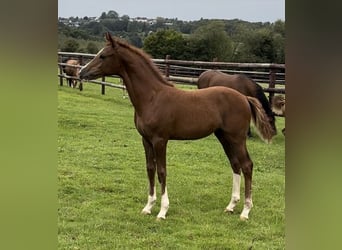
<point>187,72</point>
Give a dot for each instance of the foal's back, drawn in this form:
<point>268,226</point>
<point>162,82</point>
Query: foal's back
<point>196,114</point>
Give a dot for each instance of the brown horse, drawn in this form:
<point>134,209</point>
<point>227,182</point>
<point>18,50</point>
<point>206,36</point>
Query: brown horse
<point>72,71</point>
<point>163,112</point>
<point>278,107</point>
<point>241,83</point>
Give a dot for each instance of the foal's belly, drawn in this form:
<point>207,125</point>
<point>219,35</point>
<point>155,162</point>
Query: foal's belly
<point>192,127</point>
<point>179,125</point>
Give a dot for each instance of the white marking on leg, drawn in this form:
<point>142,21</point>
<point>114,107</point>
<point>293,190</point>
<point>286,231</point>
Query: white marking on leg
<point>246,209</point>
<point>151,200</point>
<point>164,205</point>
<point>235,193</point>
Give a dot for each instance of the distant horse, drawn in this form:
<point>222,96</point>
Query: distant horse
<point>163,112</point>
<point>241,83</point>
<point>72,71</point>
<point>278,107</point>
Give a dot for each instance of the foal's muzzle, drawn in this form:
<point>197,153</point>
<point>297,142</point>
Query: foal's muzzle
<point>82,73</point>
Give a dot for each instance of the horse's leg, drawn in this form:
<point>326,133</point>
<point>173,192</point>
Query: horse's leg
<point>235,165</point>
<point>246,164</point>
<point>151,171</point>
<point>235,193</point>
<point>159,147</point>
<point>237,153</point>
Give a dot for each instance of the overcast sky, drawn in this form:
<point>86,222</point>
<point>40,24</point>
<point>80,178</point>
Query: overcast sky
<point>248,10</point>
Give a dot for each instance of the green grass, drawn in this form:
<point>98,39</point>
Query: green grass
<point>102,184</point>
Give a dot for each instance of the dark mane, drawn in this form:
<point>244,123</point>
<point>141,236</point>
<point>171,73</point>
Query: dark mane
<point>146,58</point>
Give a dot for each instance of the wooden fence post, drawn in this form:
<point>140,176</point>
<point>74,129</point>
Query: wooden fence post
<point>81,63</point>
<point>60,60</point>
<point>81,86</point>
<point>61,77</point>
<point>103,87</point>
<point>272,83</point>
<point>167,66</point>
<point>215,60</point>
<point>81,60</point>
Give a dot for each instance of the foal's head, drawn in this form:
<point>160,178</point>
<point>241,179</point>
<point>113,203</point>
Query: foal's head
<point>106,62</point>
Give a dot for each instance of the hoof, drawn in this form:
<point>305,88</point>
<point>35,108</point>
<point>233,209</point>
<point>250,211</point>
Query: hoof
<point>243,218</point>
<point>160,218</point>
<point>228,211</point>
<point>145,212</point>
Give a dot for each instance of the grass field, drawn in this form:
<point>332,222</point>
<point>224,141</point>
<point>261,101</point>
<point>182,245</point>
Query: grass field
<point>102,184</point>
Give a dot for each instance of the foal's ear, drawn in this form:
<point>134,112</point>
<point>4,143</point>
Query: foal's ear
<point>109,38</point>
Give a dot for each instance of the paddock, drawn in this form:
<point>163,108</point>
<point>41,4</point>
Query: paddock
<point>102,184</point>
<point>101,177</point>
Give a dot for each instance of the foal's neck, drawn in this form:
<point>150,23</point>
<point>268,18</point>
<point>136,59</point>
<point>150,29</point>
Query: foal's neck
<point>142,79</point>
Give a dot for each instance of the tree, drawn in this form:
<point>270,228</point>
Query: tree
<point>124,22</point>
<point>279,27</point>
<point>135,40</point>
<point>257,46</point>
<point>159,24</point>
<point>103,15</point>
<point>262,46</point>
<point>70,45</point>
<point>133,27</point>
<point>92,48</point>
<point>112,14</point>
<point>211,41</point>
<point>279,48</point>
<point>279,41</point>
<point>165,42</point>
<point>94,28</point>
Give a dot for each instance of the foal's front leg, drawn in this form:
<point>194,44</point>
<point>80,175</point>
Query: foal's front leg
<point>151,171</point>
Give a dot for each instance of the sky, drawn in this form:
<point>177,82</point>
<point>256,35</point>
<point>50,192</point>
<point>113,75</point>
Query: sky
<point>185,10</point>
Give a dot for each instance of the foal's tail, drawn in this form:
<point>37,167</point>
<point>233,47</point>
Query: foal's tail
<point>260,119</point>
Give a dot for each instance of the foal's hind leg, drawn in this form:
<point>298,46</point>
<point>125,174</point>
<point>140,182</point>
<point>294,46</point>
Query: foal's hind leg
<point>151,171</point>
<point>234,162</point>
<point>246,164</point>
<point>239,159</point>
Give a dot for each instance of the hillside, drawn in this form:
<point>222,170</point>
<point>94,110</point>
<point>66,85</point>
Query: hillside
<point>255,42</point>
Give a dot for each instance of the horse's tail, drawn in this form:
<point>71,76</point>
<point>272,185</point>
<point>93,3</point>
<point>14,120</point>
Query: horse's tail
<point>260,95</point>
<point>260,119</point>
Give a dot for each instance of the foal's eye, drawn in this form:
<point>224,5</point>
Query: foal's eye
<point>102,57</point>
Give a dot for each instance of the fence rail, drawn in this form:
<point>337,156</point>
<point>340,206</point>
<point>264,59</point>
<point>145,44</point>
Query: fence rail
<point>187,72</point>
